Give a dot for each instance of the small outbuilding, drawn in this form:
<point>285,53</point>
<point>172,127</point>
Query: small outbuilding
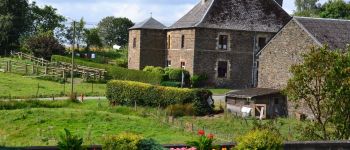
<point>262,103</point>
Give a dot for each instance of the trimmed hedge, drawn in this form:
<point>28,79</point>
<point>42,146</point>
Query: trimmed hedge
<point>128,92</point>
<point>117,73</point>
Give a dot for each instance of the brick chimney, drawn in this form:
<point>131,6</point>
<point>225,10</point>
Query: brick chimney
<point>280,2</point>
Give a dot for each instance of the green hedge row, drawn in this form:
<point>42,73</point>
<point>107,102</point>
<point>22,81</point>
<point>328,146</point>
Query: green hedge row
<point>129,92</point>
<point>117,73</point>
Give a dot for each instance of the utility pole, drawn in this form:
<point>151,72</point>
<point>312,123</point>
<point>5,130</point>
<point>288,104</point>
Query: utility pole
<point>72,72</point>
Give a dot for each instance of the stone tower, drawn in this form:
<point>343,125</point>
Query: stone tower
<point>147,44</point>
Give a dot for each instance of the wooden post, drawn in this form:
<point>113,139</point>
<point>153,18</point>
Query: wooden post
<point>10,66</point>
<point>26,68</point>
<point>33,69</point>
<point>7,66</point>
<point>46,70</point>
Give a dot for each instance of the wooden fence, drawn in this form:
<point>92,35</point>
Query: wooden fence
<point>40,67</point>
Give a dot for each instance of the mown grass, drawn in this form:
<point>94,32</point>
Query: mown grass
<point>17,86</point>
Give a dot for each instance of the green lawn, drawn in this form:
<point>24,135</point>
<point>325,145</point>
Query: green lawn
<point>95,119</point>
<point>92,120</point>
<point>18,86</point>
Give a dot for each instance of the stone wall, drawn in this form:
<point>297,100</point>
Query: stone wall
<point>149,50</point>
<point>176,53</point>
<point>239,56</point>
<point>284,50</point>
<point>134,52</point>
<point>153,44</point>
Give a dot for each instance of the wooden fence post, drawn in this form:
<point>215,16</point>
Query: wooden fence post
<point>26,68</point>
<point>45,69</point>
<point>10,66</point>
<point>33,69</point>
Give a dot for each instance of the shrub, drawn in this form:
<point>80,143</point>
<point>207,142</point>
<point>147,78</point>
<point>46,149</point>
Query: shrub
<point>176,75</point>
<point>117,73</point>
<point>198,80</point>
<point>129,92</point>
<point>201,104</point>
<point>149,144</point>
<point>260,139</point>
<point>123,141</point>
<point>171,84</point>
<point>70,142</point>
<point>158,70</point>
<point>204,142</point>
<point>179,110</point>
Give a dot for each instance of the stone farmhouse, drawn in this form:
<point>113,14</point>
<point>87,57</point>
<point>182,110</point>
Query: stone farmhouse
<point>287,47</point>
<point>217,38</point>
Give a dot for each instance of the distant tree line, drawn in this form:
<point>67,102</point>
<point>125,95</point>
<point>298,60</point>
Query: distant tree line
<point>42,31</point>
<point>337,9</point>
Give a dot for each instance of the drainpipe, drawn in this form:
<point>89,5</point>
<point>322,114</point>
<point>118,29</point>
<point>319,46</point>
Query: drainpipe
<point>253,66</point>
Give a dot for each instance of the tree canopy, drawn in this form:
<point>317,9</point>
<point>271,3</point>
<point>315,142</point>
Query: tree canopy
<point>322,82</point>
<point>114,30</point>
<point>337,9</point>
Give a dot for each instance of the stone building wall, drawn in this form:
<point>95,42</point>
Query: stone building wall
<point>153,45</point>
<point>134,54</point>
<point>239,56</point>
<point>284,50</point>
<point>176,53</point>
<point>149,50</point>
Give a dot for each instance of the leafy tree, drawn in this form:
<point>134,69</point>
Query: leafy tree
<point>322,82</point>
<point>45,19</point>
<point>307,8</point>
<point>44,45</point>
<point>79,33</point>
<point>14,17</point>
<point>338,86</point>
<point>92,38</point>
<point>114,30</point>
<point>337,9</point>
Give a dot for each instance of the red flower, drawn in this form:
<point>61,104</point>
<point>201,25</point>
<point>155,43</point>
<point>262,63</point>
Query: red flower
<point>201,132</point>
<point>210,136</point>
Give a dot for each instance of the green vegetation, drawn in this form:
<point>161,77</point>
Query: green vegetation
<point>92,120</point>
<point>17,86</point>
<point>130,141</point>
<point>322,83</point>
<point>220,91</point>
<point>260,139</point>
<point>337,9</point>
<point>117,73</point>
<point>96,120</point>
<point>128,93</point>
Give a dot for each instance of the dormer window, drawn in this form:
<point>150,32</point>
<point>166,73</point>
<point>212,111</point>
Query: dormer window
<point>223,42</point>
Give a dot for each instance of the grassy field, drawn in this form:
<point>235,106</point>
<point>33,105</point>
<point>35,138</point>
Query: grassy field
<point>18,86</point>
<point>93,120</point>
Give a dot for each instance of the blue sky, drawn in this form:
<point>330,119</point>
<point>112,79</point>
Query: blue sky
<point>166,11</point>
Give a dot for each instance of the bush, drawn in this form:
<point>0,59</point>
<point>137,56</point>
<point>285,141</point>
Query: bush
<point>117,73</point>
<point>201,105</point>
<point>198,80</point>
<point>260,139</point>
<point>171,84</point>
<point>124,141</point>
<point>149,144</point>
<point>176,74</point>
<point>179,110</point>
<point>70,142</point>
<point>158,70</point>
<point>128,92</point>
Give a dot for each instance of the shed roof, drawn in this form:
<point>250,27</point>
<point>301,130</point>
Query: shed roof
<point>252,15</point>
<point>149,23</point>
<point>251,93</point>
<point>334,32</point>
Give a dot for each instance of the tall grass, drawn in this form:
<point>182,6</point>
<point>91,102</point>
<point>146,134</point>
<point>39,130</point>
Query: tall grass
<point>11,105</point>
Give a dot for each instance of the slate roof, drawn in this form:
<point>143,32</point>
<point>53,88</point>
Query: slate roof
<point>150,23</point>
<point>247,15</point>
<point>334,32</point>
<point>251,93</point>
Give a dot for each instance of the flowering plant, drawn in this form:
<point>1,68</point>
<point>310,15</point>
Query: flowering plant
<point>204,142</point>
